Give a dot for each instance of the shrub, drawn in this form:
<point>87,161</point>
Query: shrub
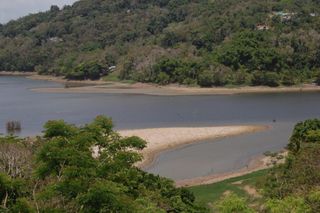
<point>257,78</point>
<point>163,78</point>
<point>240,77</point>
<point>232,203</point>
<point>302,132</point>
<point>205,79</point>
<point>127,69</point>
<point>313,200</point>
<point>271,79</point>
<point>88,70</point>
<point>288,79</point>
<point>288,205</point>
<point>170,39</point>
<point>318,79</point>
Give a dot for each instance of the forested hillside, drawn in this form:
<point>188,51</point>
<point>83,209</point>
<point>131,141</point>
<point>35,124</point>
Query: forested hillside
<point>204,42</point>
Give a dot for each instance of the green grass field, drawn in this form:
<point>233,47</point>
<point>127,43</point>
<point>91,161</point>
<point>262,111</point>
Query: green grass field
<point>211,193</point>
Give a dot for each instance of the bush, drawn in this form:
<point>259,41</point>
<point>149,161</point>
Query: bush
<point>302,132</point>
<point>232,203</point>
<point>298,176</point>
<point>257,78</point>
<point>163,78</point>
<point>170,39</point>
<point>240,77</point>
<point>271,79</point>
<point>205,79</point>
<point>288,79</point>
<point>318,80</point>
<point>127,70</point>
<point>287,205</point>
<point>217,76</point>
<point>88,70</point>
<point>313,200</point>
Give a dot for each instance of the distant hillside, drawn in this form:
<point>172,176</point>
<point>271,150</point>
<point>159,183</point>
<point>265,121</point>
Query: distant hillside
<point>205,42</point>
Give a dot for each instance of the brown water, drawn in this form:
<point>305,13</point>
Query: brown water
<point>33,109</point>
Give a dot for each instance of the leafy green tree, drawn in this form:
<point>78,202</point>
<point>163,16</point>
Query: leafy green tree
<point>89,70</point>
<point>91,169</point>
<point>301,132</point>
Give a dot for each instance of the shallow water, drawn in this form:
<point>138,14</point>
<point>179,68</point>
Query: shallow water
<point>33,109</point>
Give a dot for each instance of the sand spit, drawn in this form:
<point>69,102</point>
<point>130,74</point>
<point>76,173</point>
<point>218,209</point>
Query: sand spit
<point>162,139</point>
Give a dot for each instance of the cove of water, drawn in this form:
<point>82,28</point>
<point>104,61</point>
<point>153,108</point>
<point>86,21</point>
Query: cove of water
<point>33,109</point>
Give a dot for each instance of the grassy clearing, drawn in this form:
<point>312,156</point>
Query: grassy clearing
<point>211,193</point>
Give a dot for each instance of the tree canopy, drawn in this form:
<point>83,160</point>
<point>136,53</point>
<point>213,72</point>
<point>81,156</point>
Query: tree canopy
<point>84,169</point>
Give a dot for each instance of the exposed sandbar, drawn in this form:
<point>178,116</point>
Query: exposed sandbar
<point>161,139</point>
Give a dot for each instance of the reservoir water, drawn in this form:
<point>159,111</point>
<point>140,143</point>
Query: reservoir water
<point>33,109</point>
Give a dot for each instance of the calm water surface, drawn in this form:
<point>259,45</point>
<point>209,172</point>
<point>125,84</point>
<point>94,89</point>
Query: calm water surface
<point>33,109</point>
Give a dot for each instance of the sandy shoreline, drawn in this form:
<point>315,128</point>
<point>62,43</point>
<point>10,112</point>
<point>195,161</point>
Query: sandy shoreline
<point>105,87</point>
<point>16,73</point>
<point>146,89</point>
<point>162,139</point>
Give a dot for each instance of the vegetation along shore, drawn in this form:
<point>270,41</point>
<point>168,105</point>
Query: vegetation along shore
<point>118,87</point>
<point>61,171</point>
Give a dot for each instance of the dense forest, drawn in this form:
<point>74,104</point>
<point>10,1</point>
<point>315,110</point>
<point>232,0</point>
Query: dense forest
<point>91,169</point>
<point>193,42</point>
